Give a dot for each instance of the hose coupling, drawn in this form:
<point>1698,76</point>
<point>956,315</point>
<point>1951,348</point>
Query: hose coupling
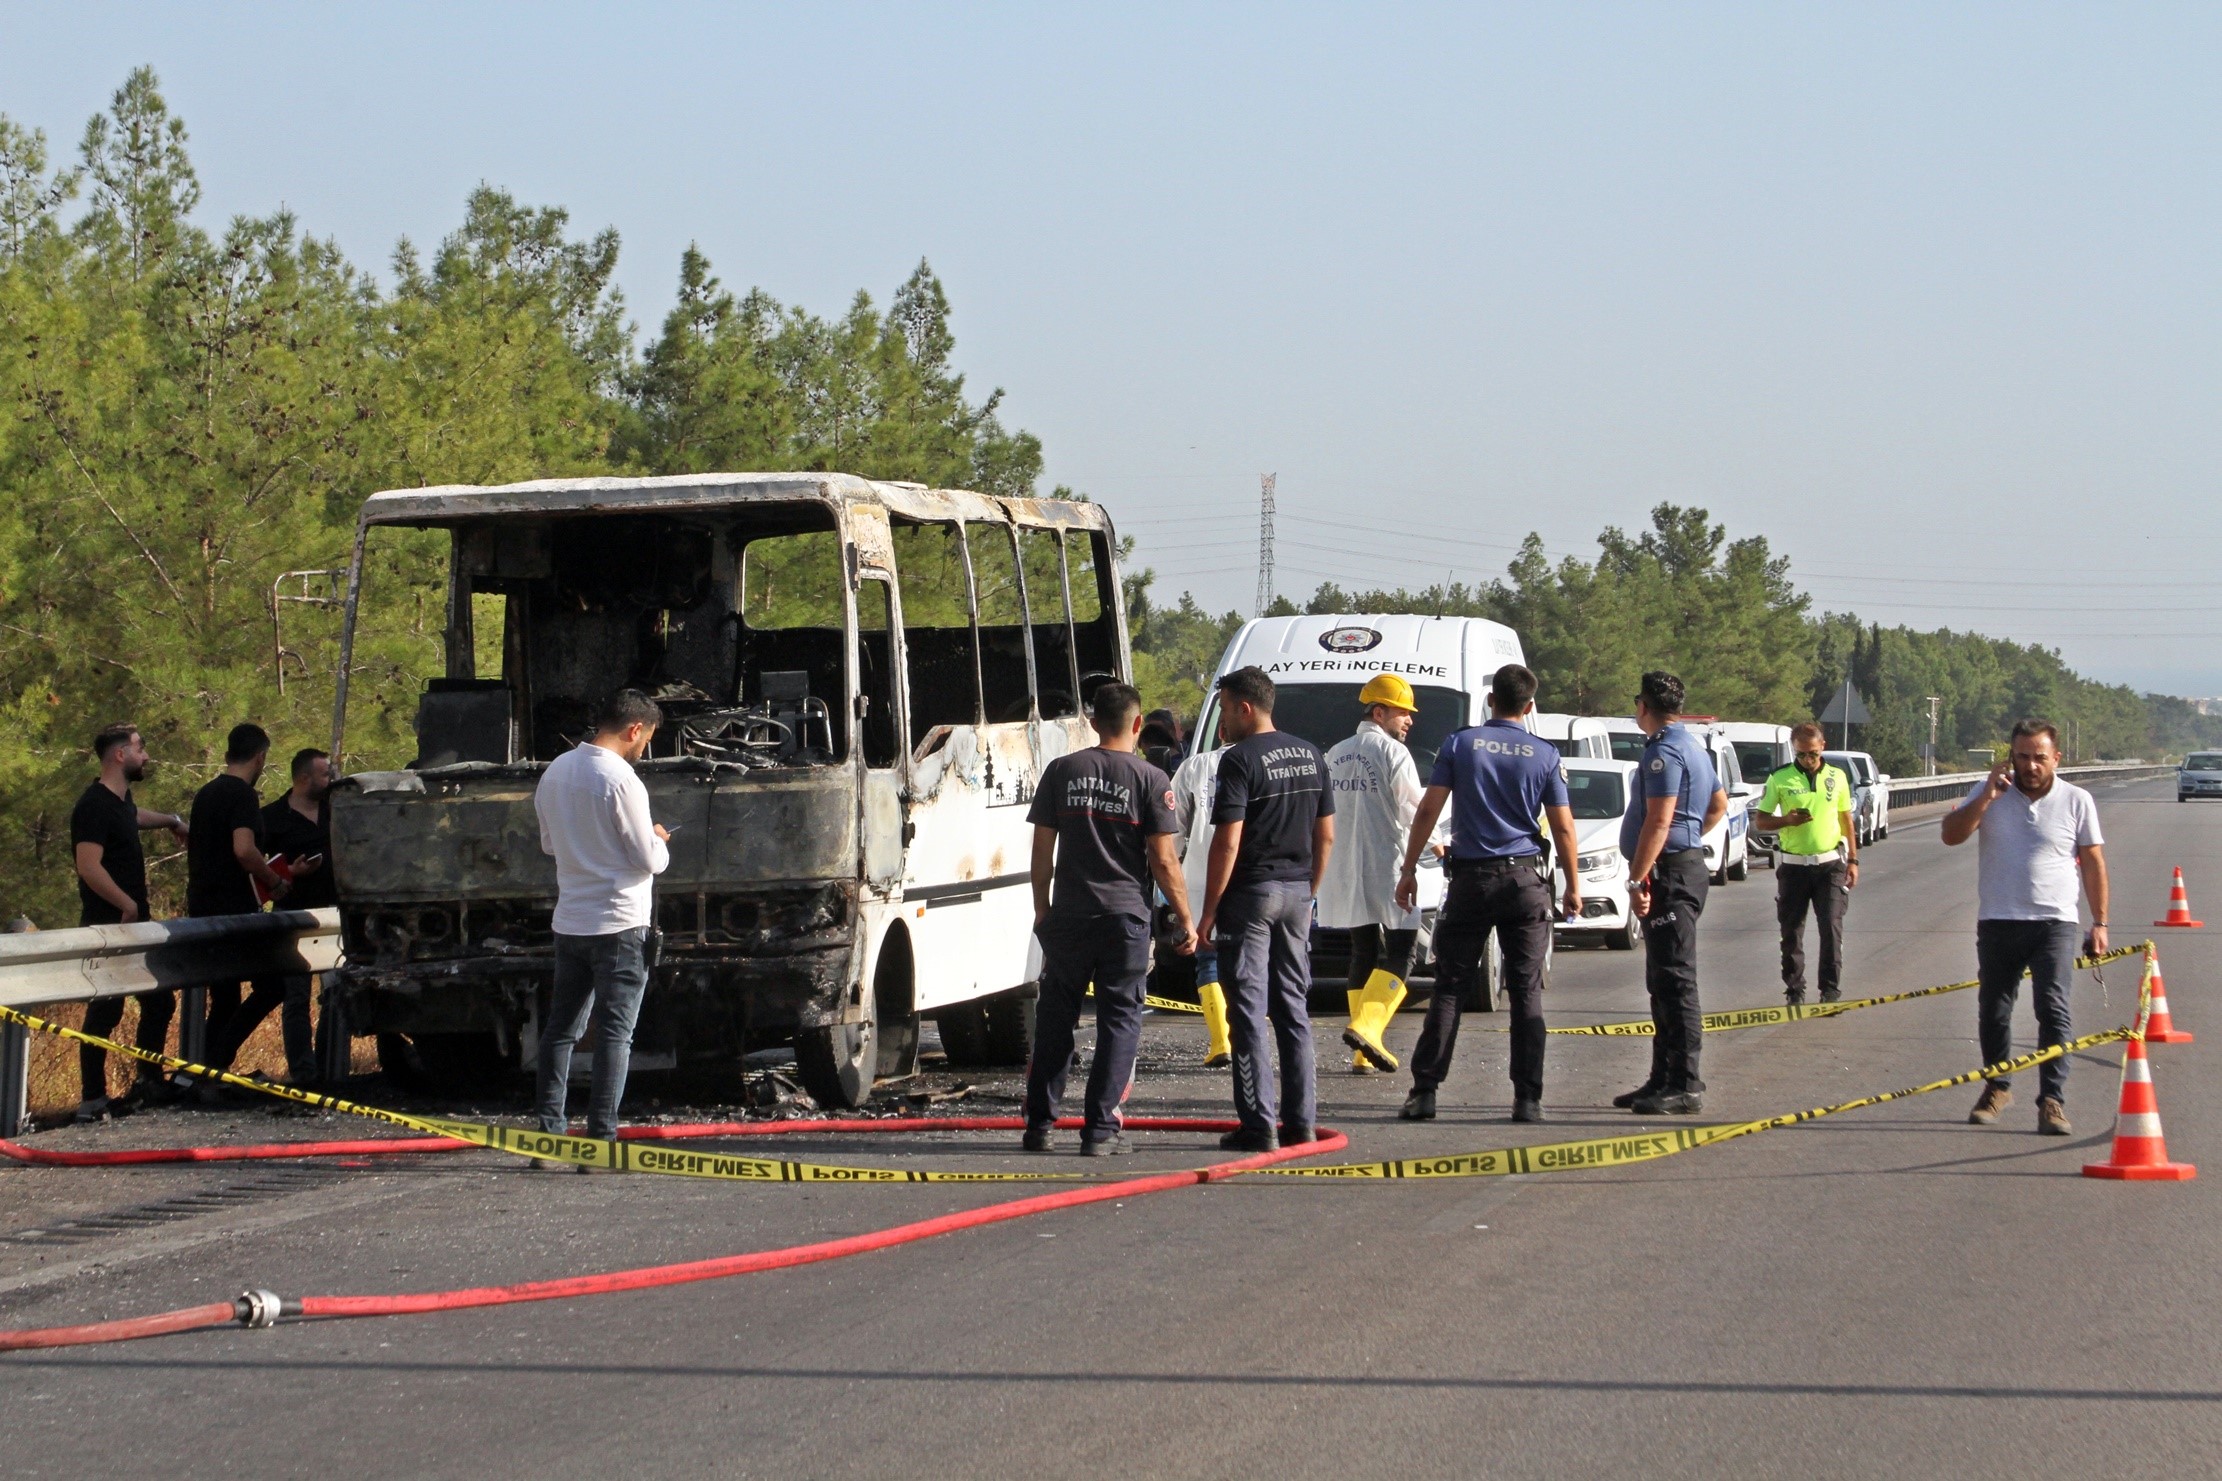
<point>258,1308</point>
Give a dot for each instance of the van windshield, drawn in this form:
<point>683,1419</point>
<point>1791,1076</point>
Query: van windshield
<point>2204,761</point>
<point>1326,714</point>
<point>1595,794</point>
<point>1756,758</point>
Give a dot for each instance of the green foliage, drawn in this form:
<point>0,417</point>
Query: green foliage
<point>185,418</point>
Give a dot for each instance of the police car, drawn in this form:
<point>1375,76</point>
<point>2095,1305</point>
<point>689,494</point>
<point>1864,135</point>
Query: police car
<point>1760,749</point>
<point>1598,792</point>
<point>1318,663</point>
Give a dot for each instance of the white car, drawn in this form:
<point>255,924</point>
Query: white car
<point>2199,776</point>
<point>1598,791</point>
<point>1870,793</point>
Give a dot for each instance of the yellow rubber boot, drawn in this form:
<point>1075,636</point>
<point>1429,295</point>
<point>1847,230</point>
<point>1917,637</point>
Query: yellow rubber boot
<point>1221,1049</point>
<point>1359,1064</point>
<point>1383,990</point>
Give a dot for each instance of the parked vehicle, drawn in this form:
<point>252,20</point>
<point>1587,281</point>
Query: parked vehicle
<point>861,682</point>
<point>2199,776</point>
<point>1625,737</point>
<point>1573,735</point>
<point>1759,750</point>
<point>1598,791</point>
<point>1728,845</point>
<point>1320,662</point>
<point>1870,793</point>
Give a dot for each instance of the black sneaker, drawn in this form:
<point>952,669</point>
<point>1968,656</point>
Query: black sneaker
<point>1242,1139</point>
<point>1627,1102</point>
<point>1036,1139</point>
<point>1296,1136</point>
<point>1113,1145</point>
<point>1418,1106</point>
<point>1832,995</point>
<point>1524,1109</point>
<point>1795,999</point>
<point>1670,1103</point>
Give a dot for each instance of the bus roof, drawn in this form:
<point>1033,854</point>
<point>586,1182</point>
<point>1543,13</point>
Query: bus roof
<point>451,503</point>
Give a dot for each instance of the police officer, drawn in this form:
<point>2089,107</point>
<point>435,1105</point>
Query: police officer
<point>1504,779</point>
<point>1377,792</point>
<point>1807,805</point>
<point>1103,828</point>
<point>1676,801</point>
<point>1273,831</point>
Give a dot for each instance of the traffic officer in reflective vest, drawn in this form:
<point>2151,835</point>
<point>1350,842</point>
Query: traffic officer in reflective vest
<point>1807,805</point>
<point>1377,791</point>
<point>1505,781</point>
<point>1676,801</point>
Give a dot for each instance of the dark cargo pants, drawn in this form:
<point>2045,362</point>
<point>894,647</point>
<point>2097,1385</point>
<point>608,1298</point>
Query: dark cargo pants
<point>1265,965</point>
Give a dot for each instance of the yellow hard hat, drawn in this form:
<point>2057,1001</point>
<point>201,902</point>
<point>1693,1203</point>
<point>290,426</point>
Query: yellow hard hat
<point>1390,690</point>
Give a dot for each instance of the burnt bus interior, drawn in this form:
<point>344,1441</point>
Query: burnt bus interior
<point>732,620</point>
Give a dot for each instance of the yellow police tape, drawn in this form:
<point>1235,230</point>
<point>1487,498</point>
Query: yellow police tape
<point>580,1151</point>
<point>1616,1151</point>
<point>621,1156</point>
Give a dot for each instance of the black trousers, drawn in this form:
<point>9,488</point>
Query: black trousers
<point>231,1021</point>
<point>1678,884</point>
<point>1378,946</point>
<point>156,1009</point>
<point>1509,897</point>
<point>1113,952</point>
<point>1822,887</point>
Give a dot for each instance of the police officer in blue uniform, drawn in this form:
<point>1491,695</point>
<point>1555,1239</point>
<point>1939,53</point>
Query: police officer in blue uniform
<point>1676,801</point>
<point>1505,780</point>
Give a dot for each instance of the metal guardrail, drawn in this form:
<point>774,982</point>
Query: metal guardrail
<point>86,962</point>
<point>1914,791</point>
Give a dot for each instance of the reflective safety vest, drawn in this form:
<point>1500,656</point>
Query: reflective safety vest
<point>1827,796</point>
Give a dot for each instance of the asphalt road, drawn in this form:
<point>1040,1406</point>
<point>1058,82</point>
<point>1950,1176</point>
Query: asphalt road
<point>1881,1293</point>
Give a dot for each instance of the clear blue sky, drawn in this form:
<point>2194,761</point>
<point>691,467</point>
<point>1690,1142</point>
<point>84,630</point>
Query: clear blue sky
<point>1927,295</point>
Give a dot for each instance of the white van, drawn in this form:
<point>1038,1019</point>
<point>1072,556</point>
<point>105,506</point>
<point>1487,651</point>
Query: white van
<point>1573,735</point>
<point>1319,663</point>
<point>1760,750</point>
<point>1728,846</point>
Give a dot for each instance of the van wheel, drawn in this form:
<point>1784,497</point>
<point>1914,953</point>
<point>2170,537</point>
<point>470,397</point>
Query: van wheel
<point>1741,869</point>
<point>1627,936</point>
<point>835,1063</point>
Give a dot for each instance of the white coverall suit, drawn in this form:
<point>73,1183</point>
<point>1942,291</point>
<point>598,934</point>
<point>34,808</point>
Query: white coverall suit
<point>1377,791</point>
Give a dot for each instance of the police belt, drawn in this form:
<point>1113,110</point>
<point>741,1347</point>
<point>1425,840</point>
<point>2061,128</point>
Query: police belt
<point>1494,864</point>
<point>1788,860</point>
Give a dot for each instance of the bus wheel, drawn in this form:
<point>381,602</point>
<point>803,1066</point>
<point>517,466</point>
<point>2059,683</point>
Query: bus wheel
<point>964,1035</point>
<point>835,1063</point>
<point>1010,1022</point>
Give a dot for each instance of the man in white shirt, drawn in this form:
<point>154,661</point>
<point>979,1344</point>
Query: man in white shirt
<point>2039,834</point>
<point>594,820</point>
<point>1377,792</point>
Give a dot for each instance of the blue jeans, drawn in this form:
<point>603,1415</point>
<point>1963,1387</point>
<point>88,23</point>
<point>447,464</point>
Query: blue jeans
<point>606,972</point>
<point>1264,943</point>
<point>1113,951</point>
<point>2046,950</point>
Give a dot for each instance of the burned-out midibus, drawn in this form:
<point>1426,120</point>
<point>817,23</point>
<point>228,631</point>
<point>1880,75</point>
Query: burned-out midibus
<point>861,682</point>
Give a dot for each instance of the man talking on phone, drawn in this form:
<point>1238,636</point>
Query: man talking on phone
<point>2038,835</point>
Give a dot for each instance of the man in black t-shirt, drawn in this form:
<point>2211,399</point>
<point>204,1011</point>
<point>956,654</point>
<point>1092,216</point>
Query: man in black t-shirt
<point>297,830</point>
<point>1275,826</point>
<point>224,862</point>
<point>111,866</point>
<point>1103,827</point>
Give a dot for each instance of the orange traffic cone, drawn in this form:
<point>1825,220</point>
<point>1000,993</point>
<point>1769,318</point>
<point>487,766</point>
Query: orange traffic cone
<point>2139,1154</point>
<point>2179,906</point>
<point>2159,1027</point>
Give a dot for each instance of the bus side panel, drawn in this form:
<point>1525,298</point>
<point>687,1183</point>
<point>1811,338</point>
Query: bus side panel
<point>965,884</point>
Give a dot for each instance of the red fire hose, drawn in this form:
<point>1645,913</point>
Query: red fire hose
<point>262,1308</point>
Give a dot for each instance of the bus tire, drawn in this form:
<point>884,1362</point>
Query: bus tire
<point>964,1035</point>
<point>836,1063</point>
<point>1010,1025</point>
